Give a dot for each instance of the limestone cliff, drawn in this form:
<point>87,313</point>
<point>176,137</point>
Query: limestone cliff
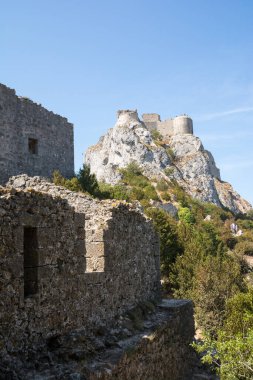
<point>181,157</point>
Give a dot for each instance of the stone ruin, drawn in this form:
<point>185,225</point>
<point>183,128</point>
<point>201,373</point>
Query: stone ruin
<point>33,140</point>
<point>72,267</point>
<point>80,278</point>
<point>180,125</point>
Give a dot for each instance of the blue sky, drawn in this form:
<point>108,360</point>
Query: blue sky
<point>85,59</point>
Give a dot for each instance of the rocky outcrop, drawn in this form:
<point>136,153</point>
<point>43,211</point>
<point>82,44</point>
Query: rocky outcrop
<point>128,141</point>
<point>181,157</point>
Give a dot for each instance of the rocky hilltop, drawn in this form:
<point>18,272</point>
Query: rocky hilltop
<point>179,156</point>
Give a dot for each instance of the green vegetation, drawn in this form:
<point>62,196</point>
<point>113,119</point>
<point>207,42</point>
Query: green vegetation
<point>170,246</point>
<point>170,153</point>
<point>84,181</point>
<point>186,215</point>
<point>71,184</point>
<point>168,171</point>
<point>156,135</point>
<point>200,260</point>
<point>162,185</point>
<point>232,351</point>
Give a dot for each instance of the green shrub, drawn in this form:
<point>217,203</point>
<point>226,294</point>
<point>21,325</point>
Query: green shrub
<point>137,194</point>
<point>166,227</point>
<point>180,195</point>
<point>244,248</point>
<point>132,169</point>
<point>232,352</point>
<point>166,196</point>
<point>185,215</point>
<point>170,153</point>
<point>139,181</point>
<point>168,171</point>
<point>162,185</point>
<point>217,279</point>
<point>88,181</point>
<point>250,214</point>
<point>246,224</point>
<point>108,191</point>
<point>156,135</point>
<point>150,193</point>
<point>70,184</point>
<point>239,313</point>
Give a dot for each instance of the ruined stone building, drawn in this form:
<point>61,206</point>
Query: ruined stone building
<point>180,125</point>
<point>33,140</point>
<point>70,263</point>
<point>79,278</point>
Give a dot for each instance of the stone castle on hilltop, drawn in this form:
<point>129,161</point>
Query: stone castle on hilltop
<point>180,125</point>
<point>179,155</point>
<point>33,140</point>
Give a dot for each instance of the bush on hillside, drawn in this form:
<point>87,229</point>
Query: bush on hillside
<point>162,185</point>
<point>70,184</point>
<point>156,135</point>
<point>232,352</point>
<point>216,280</point>
<point>186,215</point>
<point>166,227</point>
<point>88,181</point>
<point>170,153</point>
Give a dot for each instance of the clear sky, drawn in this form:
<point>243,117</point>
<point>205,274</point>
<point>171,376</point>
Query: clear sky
<point>85,59</point>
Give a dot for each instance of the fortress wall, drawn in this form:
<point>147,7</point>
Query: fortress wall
<point>166,127</point>
<point>33,140</point>
<point>180,125</point>
<point>90,261</point>
<point>151,120</point>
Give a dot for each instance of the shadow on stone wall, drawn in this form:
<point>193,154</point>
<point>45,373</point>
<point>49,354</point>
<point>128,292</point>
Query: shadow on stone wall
<point>64,293</point>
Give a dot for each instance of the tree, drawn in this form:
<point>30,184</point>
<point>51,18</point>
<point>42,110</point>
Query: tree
<point>88,181</point>
<point>166,227</point>
<point>232,352</point>
<point>217,279</point>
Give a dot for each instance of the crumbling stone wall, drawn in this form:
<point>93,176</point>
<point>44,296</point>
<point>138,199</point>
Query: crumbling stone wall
<point>96,260</point>
<point>162,352</point>
<point>33,140</point>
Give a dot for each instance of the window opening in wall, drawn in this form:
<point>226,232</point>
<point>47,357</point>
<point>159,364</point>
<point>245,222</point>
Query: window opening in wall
<point>33,146</point>
<point>30,261</point>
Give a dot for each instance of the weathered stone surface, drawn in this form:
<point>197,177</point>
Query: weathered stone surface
<point>161,352</point>
<point>147,343</point>
<point>70,293</point>
<point>191,165</point>
<point>33,140</point>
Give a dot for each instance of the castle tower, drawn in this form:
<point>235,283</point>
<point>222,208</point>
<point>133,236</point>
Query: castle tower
<point>33,140</point>
<point>182,125</point>
<point>127,117</point>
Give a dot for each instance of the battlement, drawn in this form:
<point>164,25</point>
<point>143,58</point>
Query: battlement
<point>179,125</point>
